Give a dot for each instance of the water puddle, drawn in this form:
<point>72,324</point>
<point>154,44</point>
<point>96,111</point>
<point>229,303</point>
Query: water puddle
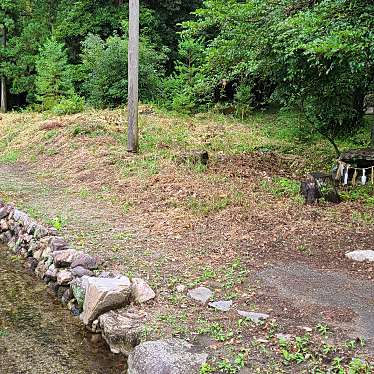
<point>37,335</point>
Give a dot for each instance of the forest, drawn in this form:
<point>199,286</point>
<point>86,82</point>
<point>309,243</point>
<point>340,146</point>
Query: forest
<point>230,56</point>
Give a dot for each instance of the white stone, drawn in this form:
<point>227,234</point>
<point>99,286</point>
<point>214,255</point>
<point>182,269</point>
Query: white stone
<point>222,305</point>
<point>360,256</point>
<point>103,295</point>
<point>141,292</point>
<point>201,294</point>
<point>253,316</point>
<point>181,288</point>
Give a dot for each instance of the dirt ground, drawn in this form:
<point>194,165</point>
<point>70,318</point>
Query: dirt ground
<point>226,228</point>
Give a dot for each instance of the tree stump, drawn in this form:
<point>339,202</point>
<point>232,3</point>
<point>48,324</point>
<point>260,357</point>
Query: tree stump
<point>194,157</point>
<point>319,185</point>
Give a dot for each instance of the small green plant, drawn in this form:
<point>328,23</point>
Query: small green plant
<point>322,329</point>
<point>215,330</point>
<point>127,206</point>
<point>226,366</point>
<point>208,273</point>
<point>3,333</point>
<point>58,222</point>
<point>10,157</point>
<point>206,369</point>
<point>283,187</point>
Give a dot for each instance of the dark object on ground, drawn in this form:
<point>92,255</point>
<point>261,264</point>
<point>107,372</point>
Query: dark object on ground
<point>319,185</point>
<point>194,157</point>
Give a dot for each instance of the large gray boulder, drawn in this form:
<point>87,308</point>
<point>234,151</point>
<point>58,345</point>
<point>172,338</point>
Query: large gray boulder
<point>172,356</point>
<point>103,295</point>
<point>122,329</point>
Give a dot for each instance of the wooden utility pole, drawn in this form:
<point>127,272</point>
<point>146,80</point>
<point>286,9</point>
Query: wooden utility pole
<point>133,76</point>
<point>3,98</point>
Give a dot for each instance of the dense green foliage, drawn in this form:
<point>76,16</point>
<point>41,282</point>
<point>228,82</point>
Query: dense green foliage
<point>233,56</point>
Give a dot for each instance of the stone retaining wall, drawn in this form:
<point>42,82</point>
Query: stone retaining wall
<point>108,303</point>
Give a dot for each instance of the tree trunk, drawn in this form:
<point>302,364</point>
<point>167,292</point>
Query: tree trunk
<point>3,99</point>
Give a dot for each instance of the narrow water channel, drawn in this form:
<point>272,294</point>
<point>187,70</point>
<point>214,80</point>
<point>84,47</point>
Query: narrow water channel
<point>39,336</point>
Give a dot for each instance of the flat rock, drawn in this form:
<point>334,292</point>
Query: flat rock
<point>140,291</point>
<point>221,305</point>
<point>201,294</point>
<point>64,277</point>
<point>80,271</point>
<point>84,260</point>
<point>103,295</point>
<point>253,316</point>
<point>122,329</point>
<point>360,256</point>
<point>57,244</point>
<point>172,356</point>
<point>64,258</point>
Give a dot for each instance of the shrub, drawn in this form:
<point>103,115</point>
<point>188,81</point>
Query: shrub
<point>105,65</point>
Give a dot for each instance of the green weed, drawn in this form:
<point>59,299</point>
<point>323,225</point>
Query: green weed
<point>10,157</point>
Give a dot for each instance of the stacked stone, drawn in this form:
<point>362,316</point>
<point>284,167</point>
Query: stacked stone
<point>107,303</point>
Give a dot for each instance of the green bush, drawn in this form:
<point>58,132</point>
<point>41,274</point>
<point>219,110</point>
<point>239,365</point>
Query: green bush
<point>53,80</point>
<point>69,105</point>
<point>105,64</point>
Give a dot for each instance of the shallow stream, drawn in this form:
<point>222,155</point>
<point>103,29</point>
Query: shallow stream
<point>39,336</point>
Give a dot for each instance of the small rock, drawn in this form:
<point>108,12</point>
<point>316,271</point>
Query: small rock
<point>4,226</point>
<point>79,272</point>
<point>64,258</point>
<point>64,277</point>
<point>140,291</point>
<point>40,232</point>
<point>51,274</point>
<point>122,329</point>
<point>181,288</point>
<point>38,254</point>
<point>222,305</point>
<point>201,294</point>
<point>67,296</point>
<point>172,356</point>
<point>57,244</point>
<point>84,260</point>
<point>283,336</point>
<point>253,316</point>
<point>360,256</point>
<point>103,295</point>
<point>32,263</point>
<point>41,269</point>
